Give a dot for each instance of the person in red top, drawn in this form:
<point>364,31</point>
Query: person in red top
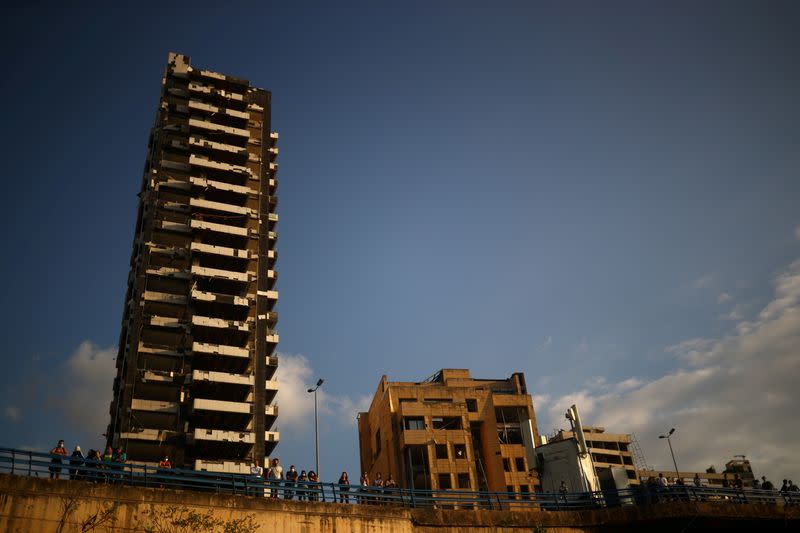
<point>61,451</point>
<point>163,466</point>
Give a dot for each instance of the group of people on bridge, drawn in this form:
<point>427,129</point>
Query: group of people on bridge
<point>111,460</point>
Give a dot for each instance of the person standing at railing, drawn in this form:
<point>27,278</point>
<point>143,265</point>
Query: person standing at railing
<point>291,482</point>
<point>302,481</point>
<point>256,477</point>
<point>75,463</point>
<point>108,463</point>
<point>696,483</point>
<point>120,458</point>
<point>164,466</point>
<point>378,484</point>
<point>389,487</point>
<point>738,485</point>
<point>275,476</point>
<point>562,491</point>
<point>647,491</point>
<point>92,463</point>
<point>766,484</point>
<point>313,482</point>
<point>681,490</point>
<point>313,479</point>
<point>662,486</point>
<point>364,483</point>
<point>108,456</point>
<point>344,488</point>
<point>58,452</point>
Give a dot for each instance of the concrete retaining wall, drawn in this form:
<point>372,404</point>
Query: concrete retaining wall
<point>60,506</point>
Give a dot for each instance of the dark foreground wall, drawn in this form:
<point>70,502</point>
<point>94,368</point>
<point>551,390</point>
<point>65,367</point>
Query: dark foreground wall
<point>31,504</point>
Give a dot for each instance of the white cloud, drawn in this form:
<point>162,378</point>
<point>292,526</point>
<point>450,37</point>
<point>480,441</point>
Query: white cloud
<point>12,412</point>
<point>691,350</point>
<point>724,297</point>
<point>86,391</point>
<point>347,408</point>
<point>294,376</point>
<point>737,395</point>
<point>296,405</point>
<point>540,400</point>
<point>584,399</point>
<point>626,385</point>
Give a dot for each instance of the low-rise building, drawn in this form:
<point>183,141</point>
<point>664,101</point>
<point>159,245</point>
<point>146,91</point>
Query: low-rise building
<point>452,432</point>
<point>607,449</point>
<point>710,478</point>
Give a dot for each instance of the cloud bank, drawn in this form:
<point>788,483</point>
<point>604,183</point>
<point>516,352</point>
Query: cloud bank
<point>87,382</point>
<point>736,394</point>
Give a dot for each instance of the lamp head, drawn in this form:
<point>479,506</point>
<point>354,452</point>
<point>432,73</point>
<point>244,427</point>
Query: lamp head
<point>671,431</point>
<point>310,390</point>
<point>321,381</point>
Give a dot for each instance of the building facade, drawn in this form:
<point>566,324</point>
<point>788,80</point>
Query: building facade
<point>451,432</point>
<point>710,478</point>
<point>196,364</point>
<point>607,450</point>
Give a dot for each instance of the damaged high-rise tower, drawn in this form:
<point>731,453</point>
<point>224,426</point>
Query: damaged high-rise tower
<point>196,364</point>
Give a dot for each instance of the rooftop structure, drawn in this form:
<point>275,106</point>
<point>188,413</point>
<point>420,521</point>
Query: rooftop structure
<point>196,364</point>
<point>607,450</point>
<point>452,432</point>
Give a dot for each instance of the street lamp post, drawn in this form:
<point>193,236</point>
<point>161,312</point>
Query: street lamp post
<point>675,464</point>
<point>320,381</point>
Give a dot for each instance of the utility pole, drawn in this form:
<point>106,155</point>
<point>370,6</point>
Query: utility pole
<point>320,381</point>
<point>675,464</point>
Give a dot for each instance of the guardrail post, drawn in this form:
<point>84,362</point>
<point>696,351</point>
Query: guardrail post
<point>13,460</point>
<point>30,463</point>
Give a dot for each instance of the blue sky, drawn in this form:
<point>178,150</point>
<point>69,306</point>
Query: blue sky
<point>573,191</point>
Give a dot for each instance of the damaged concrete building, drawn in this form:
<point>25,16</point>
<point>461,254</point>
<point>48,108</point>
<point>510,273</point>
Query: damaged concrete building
<point>196,364</point>
<point>452,431</point>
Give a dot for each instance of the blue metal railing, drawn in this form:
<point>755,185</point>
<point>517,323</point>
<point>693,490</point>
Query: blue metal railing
<point>36,464</point>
